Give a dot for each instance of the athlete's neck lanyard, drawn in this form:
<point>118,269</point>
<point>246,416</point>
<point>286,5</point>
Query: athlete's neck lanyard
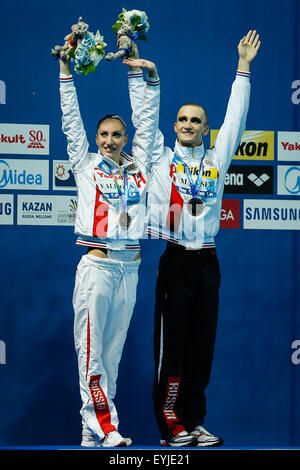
<point>122,195</point>
<point>194,186</point>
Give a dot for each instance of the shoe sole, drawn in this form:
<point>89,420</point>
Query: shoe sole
<point>192,443</point>
<point>91,444</point>
<point>207,444</point>
<point>124,443</point>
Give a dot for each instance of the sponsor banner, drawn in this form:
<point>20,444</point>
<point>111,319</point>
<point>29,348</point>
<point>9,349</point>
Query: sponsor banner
<point>288,180</point>
<point>230,213</point>
<point>248,179</point>
<point>23,139</point>
<point>288,146</point>
<point>46,210</point>
<point>63,178</point>
<point>254,145</point>
<point>24,174</point>
<point>271,214</point>
<point>6,209</point>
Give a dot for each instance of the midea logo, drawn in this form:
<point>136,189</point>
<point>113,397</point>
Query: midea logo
<point>16,176</point>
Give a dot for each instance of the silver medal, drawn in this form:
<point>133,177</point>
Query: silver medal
<point>195,206</point>
<point>125,220</point>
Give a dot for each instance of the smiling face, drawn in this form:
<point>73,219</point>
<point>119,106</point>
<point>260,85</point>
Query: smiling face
<point>111,138</point>
<point>191,125</point>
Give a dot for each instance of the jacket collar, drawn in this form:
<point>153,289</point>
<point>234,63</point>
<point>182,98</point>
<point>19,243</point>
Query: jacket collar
<point>189,153</point>
<point>126,162</point>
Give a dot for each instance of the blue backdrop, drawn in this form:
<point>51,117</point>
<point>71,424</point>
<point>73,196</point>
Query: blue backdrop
<point>255,382</point>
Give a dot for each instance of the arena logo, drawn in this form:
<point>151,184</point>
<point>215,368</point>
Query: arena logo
<point>254,145</point>
<point>24,139</point>
<point>23,174</point>
<point>2,92</point>
<point>241,179</point>
<point>296,94</point>
<point>296,354</point>
<point>2,352</point>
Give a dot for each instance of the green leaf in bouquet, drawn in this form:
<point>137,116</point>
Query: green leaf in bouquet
<point>71,52</point>
<point>90,68</point>
<point>135,21</point>
<point>116,27</point>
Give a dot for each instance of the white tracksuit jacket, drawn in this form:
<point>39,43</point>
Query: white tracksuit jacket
<point>169,191</point>
<point>99,208</point>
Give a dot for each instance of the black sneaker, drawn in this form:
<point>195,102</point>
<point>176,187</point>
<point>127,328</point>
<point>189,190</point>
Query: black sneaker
<point>205,439</point>
<point>182,439</point>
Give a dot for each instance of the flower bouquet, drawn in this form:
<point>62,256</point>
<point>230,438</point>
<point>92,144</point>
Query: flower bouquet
<point>138,20</point>
<point>130,26</point>
<point>84,47</point>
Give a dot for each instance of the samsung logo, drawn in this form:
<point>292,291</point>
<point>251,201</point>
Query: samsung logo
<point>271,214</point>
<point>275,213</point>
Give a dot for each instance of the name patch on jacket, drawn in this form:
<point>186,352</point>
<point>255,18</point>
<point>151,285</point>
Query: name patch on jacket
<point>109,190</point>
<point>207,188</point>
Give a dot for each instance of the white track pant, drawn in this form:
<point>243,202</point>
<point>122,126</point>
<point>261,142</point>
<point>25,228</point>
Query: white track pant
<point>103,301</point>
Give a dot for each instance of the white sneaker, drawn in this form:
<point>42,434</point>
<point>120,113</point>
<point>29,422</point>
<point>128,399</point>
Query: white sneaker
<point>182,439</point>
<point>90,441</point>
<point>206,439</point>
<point>114,439</point>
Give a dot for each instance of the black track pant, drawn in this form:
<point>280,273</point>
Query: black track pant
<point>186,311</point>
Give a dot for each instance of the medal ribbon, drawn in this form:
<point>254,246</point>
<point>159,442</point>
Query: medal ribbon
<point>123,196</point>
<point>194,186</point>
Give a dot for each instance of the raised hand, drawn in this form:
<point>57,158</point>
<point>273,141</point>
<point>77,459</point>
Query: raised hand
<point>143,64</point>
<point>64,64</point>
<point>249,45</point>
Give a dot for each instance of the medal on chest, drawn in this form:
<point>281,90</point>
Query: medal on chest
<point>194,205</point>
<point>124,219</point>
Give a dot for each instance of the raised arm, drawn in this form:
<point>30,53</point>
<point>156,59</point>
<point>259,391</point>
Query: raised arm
<point>137,85</point>
<point>72,125</point>
<point>148,116</point>
<point>234,124</point>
